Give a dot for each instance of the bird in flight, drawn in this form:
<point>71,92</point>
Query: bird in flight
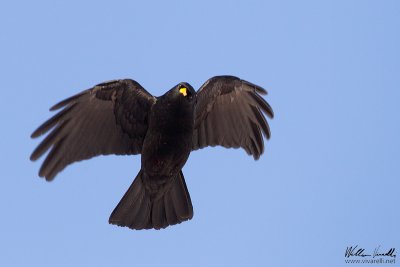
<point>120,117</point>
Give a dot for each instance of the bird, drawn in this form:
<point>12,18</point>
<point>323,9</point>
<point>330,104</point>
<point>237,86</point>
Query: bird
<point>120,117</point>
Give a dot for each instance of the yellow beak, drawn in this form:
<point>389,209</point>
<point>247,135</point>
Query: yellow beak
<point>183,91</point>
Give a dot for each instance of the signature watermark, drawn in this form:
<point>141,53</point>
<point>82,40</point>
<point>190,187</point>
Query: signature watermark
<point>356,254</point>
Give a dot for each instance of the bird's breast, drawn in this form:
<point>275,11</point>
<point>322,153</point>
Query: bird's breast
<point>168,141</point>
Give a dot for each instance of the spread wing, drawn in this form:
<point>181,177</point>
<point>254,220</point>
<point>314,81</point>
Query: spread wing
<point>110,118</point>
<point>230,113</point>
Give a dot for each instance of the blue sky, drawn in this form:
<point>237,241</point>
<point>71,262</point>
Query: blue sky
<point>330,175</point>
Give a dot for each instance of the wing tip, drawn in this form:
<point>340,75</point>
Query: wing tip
<point>260,90</point>
<point>271,113</point>
<point>68,100</point>
<point>48,177</point>
<point>33,157</point>
<point>58,105</point>
<point>35,134</point>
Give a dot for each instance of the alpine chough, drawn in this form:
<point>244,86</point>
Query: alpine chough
<point>120,117</point>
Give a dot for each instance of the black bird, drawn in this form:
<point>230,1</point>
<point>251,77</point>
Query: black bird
<point>121,117</point>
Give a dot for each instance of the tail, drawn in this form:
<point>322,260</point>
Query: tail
<point>139,210</point>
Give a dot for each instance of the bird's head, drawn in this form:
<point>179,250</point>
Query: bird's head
<point>184,91</point>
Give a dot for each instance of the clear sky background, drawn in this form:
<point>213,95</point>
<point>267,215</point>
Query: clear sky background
<point>330,175</point>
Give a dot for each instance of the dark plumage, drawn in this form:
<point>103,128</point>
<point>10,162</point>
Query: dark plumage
<point>121,117</point>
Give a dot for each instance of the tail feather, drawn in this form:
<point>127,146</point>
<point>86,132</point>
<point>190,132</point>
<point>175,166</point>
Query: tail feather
<point>172,218</point>
<point>158,214</point>
<point>179,193</point>
<point>139,210</point>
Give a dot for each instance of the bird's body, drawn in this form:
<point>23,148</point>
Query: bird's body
<point>121,117</point>
<point>168,141</point>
